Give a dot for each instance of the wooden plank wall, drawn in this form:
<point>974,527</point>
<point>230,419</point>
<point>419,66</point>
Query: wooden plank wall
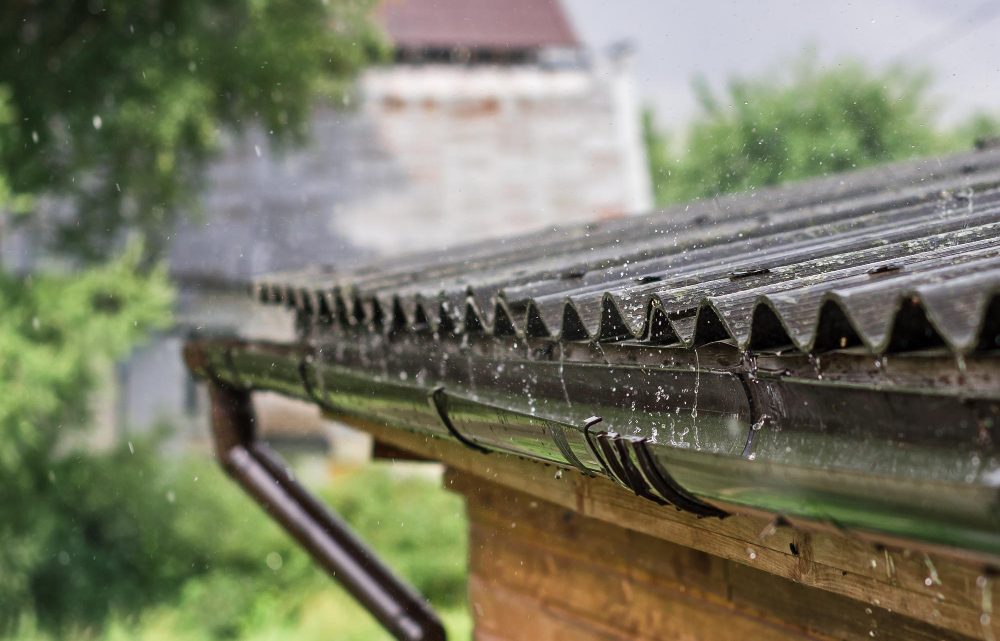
<point>833,577</point>
<point>542,572</point>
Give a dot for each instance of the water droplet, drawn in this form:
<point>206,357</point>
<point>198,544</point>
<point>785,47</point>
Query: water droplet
<point>814,360</point>
<point>750,362</point>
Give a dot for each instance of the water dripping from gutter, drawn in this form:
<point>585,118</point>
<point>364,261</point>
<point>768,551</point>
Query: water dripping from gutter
<point>562,379</point>
<point>694,407</point>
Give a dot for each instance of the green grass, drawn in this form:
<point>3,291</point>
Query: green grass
<point>325,613</point>
<point>176,552</point>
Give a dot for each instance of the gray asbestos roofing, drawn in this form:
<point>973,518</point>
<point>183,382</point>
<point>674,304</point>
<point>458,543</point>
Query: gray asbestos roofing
<point>900,257</point>
<point>677,353</point>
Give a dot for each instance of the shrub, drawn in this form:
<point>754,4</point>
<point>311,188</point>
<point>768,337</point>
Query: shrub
<point>129,531</point>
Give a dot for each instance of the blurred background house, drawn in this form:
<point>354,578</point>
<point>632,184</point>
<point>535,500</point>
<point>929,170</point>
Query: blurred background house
<point>491,119</point>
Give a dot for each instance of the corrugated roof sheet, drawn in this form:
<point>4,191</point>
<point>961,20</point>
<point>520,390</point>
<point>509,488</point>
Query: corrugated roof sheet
<point>476,24</point>
<point>900,257</point>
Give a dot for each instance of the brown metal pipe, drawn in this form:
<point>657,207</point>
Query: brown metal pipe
<point>331,543</point>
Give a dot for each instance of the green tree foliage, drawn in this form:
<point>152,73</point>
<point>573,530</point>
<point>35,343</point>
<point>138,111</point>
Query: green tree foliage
<point>807,121</point>
<point>117,105</point>
<point>56,333</point>
<point>112,109</point>
<point>979,129</point>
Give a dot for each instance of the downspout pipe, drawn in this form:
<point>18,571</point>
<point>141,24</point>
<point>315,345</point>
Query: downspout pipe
<point>401,610</point>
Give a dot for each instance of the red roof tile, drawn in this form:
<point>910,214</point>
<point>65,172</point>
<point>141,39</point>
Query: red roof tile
<point>477,24</point>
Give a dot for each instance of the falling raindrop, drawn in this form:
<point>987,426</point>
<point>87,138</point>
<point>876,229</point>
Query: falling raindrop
<point>932,576</point>
<point>985,584</point>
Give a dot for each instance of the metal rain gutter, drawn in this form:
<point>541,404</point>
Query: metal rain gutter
<point>900,447</point>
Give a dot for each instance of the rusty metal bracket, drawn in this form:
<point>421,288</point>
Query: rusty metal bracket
<point>402,611</point>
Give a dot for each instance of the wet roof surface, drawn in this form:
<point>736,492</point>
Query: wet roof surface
<point>901,257</point>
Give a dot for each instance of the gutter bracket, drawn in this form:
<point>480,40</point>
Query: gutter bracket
<point>438,400</point>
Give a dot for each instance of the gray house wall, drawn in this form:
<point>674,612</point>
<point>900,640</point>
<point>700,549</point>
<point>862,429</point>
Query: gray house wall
<point>423,157</point>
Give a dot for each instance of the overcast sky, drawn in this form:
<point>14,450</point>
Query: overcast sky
<point>959,41</point>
